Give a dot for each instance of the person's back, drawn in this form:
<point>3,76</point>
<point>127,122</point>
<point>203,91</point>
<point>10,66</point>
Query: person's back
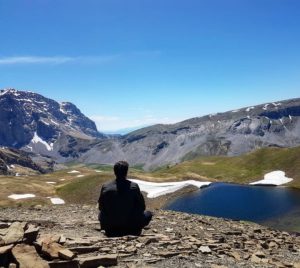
<point>122,205</point>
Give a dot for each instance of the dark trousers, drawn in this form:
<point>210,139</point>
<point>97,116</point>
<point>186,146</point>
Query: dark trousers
<point>129,231</point>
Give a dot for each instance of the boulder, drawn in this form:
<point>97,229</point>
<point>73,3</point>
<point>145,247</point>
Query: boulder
<point>14,233</point>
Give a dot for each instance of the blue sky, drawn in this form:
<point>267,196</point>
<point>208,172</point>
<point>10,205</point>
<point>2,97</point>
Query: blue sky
<point>138,62</point>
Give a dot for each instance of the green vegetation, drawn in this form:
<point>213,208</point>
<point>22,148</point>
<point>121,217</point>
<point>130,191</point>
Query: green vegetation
<point>84,187</point>
<point>241,169</point>
<point>83,190</point>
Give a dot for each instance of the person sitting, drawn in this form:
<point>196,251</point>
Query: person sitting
<point>122,205</point>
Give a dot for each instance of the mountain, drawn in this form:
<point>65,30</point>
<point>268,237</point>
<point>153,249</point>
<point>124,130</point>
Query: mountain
<point>231,133</point>
<point>37,124</point>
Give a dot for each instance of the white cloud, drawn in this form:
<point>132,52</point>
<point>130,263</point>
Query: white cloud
<point>56,60</point>
<point>34,60</point>
<point>31,59</point>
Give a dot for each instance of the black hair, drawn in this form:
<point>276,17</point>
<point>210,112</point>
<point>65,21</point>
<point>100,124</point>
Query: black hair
<point>121,169</point>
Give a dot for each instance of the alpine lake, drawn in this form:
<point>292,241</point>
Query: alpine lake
<point>277,207</point>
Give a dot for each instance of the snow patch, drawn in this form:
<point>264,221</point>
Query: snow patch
<point>155,189</point>
<point>37,139</point>
<point>55,123</point>
<point>249,109</point>
<point>57,201</point>
<point>290,117</point>
<point>276,104</point>
<point>79,176</point>
<point>235,111</point>
<point>20,196</point>
<point>73,172</point>
<point>51,182</point>
<point>98,171</point>
<point>266,106</point>
<point>273,178</point>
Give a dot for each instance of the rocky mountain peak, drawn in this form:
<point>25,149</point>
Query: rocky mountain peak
<point>30,120</point>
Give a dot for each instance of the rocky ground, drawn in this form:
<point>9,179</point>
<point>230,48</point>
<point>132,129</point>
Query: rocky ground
<point>172,240</point>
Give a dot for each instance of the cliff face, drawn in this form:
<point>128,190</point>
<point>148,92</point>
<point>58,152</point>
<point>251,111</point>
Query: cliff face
<point>11,160</point>
<point>230,133</point>
<point>37,124</point>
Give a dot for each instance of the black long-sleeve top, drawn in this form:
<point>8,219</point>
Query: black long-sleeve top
<point>121,204</point>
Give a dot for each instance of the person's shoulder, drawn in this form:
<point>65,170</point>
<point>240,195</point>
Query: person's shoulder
<point>109,184</point>
<point>133,185</point>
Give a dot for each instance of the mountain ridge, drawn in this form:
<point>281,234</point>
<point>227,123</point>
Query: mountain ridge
<point>33,123</point>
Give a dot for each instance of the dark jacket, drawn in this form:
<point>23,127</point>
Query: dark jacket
<point>122,205</point>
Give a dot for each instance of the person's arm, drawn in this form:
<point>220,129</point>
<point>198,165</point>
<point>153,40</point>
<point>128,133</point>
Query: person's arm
<point>140,200</point>
<point>100,200</point>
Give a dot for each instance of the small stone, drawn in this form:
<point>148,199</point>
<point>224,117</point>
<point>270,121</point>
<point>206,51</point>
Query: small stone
<point>235,255</point>
<point>105,260</point>
<point>84,250</point>
<point>139,245</point>
<point>205,250</point>
<point>66,254</point>
<point>255,259</point>
<point>168,254</point>
<point>62,239</point>
<point>31,233</point>
<point>131,249</point>
<point>38,207</point>
<point>260,254</point>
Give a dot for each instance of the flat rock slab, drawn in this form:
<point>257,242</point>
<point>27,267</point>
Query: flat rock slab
<point>27,257</point>
<point>5,249</point>
<point>100,260</point>
<point>66,254</point>
<point>84,250</point>
<point>52,249</point>
<point>14,233</point>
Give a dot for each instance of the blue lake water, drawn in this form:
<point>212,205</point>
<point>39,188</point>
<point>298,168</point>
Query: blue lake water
<point>277,207</point>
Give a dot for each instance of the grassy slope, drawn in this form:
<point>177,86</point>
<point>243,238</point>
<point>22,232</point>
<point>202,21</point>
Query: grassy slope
<point>73,189</point>
<point>241,169</point>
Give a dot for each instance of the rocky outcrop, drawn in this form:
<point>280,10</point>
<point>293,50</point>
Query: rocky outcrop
<point>11,158</point>
<point>70,237</point>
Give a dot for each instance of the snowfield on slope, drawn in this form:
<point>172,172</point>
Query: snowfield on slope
<point>276,177</point>
<point>155,189</point>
